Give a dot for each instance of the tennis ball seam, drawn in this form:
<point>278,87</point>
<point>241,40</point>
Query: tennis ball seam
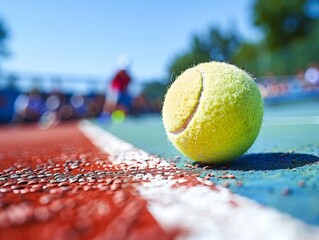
<point>191,116</point>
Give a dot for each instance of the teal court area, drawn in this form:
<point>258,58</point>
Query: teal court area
<point>280,170</point>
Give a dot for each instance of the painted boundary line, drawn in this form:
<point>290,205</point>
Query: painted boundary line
<point>202,211</point>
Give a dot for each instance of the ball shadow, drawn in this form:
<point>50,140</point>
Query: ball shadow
<point>268,161</point>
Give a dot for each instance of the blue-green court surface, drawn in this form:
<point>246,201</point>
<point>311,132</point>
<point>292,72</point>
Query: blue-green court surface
<point>280,170</point>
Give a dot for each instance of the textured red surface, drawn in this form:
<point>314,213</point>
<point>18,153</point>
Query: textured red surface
<point>55,184</point>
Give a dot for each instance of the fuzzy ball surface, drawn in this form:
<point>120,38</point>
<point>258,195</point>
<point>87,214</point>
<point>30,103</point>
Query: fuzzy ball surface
<point>213,112</point>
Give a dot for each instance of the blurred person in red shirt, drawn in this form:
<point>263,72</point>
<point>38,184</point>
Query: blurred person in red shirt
<point>117,94</point>
<point>120,81</point>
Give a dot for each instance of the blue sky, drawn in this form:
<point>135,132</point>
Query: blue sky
<point>85,37</point>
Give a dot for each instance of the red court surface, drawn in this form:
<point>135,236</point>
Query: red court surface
<point>55,184</point>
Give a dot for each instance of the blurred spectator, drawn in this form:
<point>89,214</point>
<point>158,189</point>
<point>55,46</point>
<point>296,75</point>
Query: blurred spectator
<point>20,105</point>
<point>35,107</point>
<point>120,81</point>
<point>118,97</point>
<point>77,103</point>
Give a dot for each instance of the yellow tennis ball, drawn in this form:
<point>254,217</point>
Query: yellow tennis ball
<point>213,112</point>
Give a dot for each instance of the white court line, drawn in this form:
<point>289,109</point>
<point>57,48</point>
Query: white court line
<point>204,213</point>
<point>291,120</point>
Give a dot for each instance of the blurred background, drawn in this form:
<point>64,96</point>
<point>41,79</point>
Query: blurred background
<point>111,59</point>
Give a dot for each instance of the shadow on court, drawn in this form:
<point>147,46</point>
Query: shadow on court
<point>268,161</point>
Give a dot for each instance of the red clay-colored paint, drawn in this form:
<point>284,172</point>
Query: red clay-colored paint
<point>55,184</point>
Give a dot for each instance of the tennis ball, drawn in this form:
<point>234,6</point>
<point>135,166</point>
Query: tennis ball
<point>213,112</point>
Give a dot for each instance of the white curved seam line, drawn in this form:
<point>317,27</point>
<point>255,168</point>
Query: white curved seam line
<point>191,116</point>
